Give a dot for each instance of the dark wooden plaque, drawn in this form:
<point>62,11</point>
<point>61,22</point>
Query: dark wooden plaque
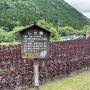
<point>34,44</point>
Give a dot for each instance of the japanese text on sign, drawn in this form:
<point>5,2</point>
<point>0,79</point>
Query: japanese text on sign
<point>35,45</point>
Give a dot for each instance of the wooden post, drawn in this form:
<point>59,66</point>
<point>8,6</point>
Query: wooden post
<point>36,75</point>
<point>36,87</point>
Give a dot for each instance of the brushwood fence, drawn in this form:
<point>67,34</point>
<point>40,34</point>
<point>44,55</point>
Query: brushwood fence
<point>64,58</point>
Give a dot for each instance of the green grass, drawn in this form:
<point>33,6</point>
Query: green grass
<point>77,82</point>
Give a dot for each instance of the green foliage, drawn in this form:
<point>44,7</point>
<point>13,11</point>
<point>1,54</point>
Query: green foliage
<point>85,30</point>
<point>45,24</point>
<point>24,12</point>
<point>49,26</point>
<point>67,31</point>
<point>13,36</point>
<point>9,43</point>
<point>54,34</point>
<point>8,36</point>
<point>16,29</point>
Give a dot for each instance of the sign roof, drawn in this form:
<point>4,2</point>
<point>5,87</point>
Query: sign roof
<point>33,27</point>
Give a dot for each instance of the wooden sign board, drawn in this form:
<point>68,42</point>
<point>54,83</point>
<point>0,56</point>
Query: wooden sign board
<point>34,43</point>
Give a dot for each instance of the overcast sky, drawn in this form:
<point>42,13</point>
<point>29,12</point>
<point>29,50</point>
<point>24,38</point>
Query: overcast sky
<point>81,5</point>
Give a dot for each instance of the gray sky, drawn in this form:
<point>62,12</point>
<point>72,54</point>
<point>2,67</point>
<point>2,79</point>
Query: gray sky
<point>81,5</point>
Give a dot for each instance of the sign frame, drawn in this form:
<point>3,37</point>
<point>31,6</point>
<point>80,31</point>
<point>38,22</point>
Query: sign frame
<point>46,38</point>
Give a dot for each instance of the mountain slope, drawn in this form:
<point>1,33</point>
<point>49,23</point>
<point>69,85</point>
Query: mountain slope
<point>24,12</point>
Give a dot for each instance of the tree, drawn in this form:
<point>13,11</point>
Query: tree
<point>49,26</point>
<point>54,34</point>
<point>86,28</point>
<point>45,24</point>
<point>66,31</point>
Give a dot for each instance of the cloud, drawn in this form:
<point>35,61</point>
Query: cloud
<point>81,5</point>
<point>87,14</point>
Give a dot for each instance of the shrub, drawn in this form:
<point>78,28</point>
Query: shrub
<point>66,31</point>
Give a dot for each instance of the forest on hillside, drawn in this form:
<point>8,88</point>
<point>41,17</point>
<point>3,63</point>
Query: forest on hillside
<point>55,15</point>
